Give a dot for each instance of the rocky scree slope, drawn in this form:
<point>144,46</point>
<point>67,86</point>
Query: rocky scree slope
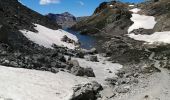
<point>110,18</point>
<point>65,19</point>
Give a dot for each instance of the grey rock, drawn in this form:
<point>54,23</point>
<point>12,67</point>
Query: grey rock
<point>14,64</point>
<point>123,89</point>
<point>77,70</point>
<point>54,70</point>
<point>87,91</point>
<point>93,58</point>
<point>89,72</point>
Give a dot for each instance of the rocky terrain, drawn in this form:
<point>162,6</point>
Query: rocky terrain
<point>65,19</point>
<point>109,17</point>
<point>124,67</point>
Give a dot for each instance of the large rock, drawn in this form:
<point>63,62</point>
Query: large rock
<point>80,71</point>
<point>77,70</point>
<point>87,91</point>
<point>92,58</point>
<point>89,72</point>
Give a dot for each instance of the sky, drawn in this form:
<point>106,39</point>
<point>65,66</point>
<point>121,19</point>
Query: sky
<point>75,7</point>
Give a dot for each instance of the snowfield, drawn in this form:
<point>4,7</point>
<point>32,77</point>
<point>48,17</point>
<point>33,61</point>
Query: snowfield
<point>147,22</point>
<point>135,10</point>
<point>141,21</point>
<point>25,84</point>
<point>155,38</point>
<point>46,37</point>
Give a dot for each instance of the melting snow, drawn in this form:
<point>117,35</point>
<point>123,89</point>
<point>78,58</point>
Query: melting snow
<point>46,37</point>
<point>157,37</point>
<point>135,10</point>
<point>147,22</point>
<point>141,21</point>
<point>25,84</point>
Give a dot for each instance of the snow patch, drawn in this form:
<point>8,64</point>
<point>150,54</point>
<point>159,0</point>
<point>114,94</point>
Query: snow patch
<point>135,10</point>
<point>26,84</point>
<point>147,22</point>
<point>157,37</point>
<point>131,5</point>
<point>142,21</point>
<point>46,37</point>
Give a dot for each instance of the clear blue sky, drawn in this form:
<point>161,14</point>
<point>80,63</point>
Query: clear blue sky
<point>75,7</point>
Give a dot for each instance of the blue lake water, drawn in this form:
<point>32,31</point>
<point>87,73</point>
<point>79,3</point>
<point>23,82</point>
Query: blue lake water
<point>87,42</point>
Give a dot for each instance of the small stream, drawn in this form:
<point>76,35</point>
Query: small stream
<point>87,42</point>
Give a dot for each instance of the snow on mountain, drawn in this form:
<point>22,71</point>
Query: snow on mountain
<point>135,10</point>
<point>157,37</point>
<point>26,84</point>
<point>46,37</point>
<point>141,21</point>
<point>147,22</point>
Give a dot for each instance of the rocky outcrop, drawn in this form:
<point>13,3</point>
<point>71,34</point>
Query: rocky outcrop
<point>66,19</point>
<point>110,18</point>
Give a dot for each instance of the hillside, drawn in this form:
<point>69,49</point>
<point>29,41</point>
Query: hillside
<point>65,19</point>
<point>109,17</point>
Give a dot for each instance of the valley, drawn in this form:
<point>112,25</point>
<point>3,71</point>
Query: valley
<point>120,52</point>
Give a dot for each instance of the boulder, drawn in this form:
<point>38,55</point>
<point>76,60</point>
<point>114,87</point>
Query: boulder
<point>54,70</point>
<point>86,91</point>
<point>89,72</point>
<point>77,70</point>
<point>92,58</point>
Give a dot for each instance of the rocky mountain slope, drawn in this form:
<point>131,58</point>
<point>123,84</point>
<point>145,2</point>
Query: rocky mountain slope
<point>109,17</point>
<point>19,27</point>
<point>135,54</point>
<point>65,19</point>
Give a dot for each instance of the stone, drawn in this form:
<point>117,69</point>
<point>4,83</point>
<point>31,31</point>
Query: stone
<point>77,70</point>
<point>87,91</point>
<point>92,58</point>
<point>14,64</point>
<point>54,70</point>
<point>89,72</point>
